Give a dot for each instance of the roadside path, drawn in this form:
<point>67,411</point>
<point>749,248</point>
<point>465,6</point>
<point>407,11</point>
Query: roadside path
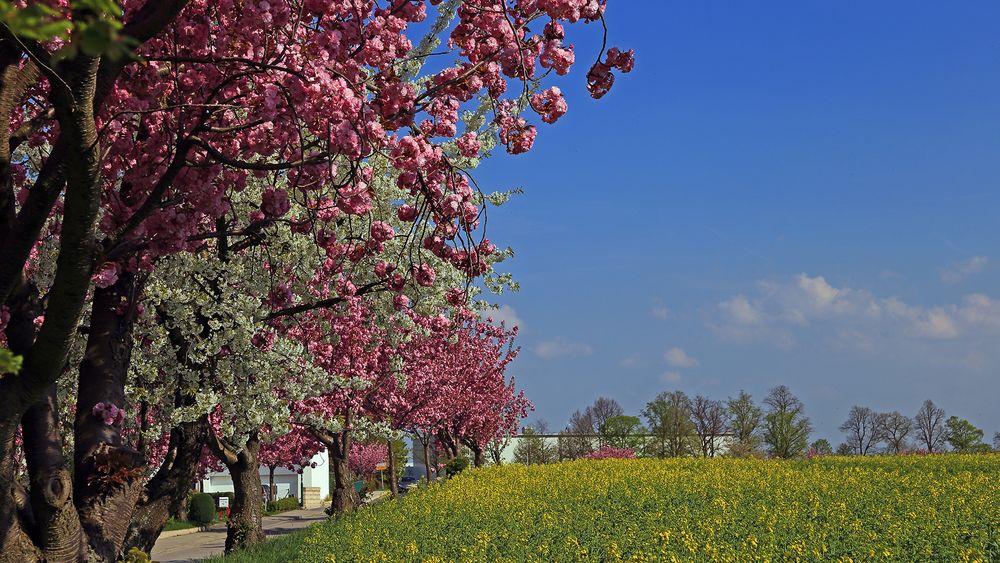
<point>199,545</point>
<point>191,547</point>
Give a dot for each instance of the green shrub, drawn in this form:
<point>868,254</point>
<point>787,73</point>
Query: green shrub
<point>456,466</point>
<point>136,555</point>
<point>287,503</point>
<point>202,509</point>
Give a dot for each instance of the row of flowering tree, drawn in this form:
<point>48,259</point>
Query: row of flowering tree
<point>220,221</point>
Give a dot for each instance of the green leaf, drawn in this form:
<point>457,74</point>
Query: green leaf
<point>9,362</point>
<point>36,21</point>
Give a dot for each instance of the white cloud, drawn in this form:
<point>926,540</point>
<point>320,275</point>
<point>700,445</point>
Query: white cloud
<point>741,311</point>
<point>561,348</point>
<point>979,310</point>
<point>678,358</point>
<point>670,377</point>
<point>782,308</point>
<point>806,298</point>
<point>506,315</point>
<point>659,310</point>
<point>960,270</point>
<point>935,323</point>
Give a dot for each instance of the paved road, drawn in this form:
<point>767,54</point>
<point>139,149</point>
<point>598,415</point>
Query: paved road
<point>192,547</point>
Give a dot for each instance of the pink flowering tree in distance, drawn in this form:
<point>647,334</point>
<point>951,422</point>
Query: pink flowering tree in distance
<point>456,387</point>
<point>355,351</point>
<point>609,452</point>
<point>111,164</point>
<point>293,451</point>
<point>364,459</point>
<point>481,404</point>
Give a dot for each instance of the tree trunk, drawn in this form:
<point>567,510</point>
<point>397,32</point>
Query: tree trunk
<point>58,529</point>
<point>74,163</point>
<point>16,518</point>
<point>245,527</point>
<point>272,495</point>
<point>427,458</point>
<point>478,457</point>
<point>345,498</point>
<point>107,473</point>
<point>393,479</point>
<point>165,494</point>
<point>338,445</point>
<point>15,544</point>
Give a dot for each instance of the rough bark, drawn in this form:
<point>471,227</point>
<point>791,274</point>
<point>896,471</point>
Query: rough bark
<point>244,526</point>
<point>448,444</point>
<point>107,483</point>
<point>75,164</point>
<point>16,517</point>
<point>15,545</point>
<point>344,498</point>
<point>166,492</point>
<point>58,530</point>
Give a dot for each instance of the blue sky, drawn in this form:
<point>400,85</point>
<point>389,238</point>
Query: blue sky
<point>797,192</point>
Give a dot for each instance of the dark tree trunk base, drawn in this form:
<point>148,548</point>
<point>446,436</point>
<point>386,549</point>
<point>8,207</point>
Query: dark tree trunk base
<point>244,527</point>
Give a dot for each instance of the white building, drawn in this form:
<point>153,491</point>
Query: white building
<point>313,484</point>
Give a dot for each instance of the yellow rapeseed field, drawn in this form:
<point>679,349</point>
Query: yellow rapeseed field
<point>917,508</point>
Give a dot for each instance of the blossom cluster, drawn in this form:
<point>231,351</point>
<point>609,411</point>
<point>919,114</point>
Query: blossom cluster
<point>365,458</point>
<point>110,414</point>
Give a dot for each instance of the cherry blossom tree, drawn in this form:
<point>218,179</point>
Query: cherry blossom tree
<point>364,459</point>
<point>293,451</point>
<point>357,352</point>
<point>458,390</point>
<point>610,452</point>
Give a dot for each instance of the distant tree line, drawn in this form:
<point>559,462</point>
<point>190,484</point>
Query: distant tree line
<point>930,431</point>
<point>676,425</point>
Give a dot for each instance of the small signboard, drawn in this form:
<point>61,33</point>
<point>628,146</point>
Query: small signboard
<point>223,502</point>
<point>382,466</point>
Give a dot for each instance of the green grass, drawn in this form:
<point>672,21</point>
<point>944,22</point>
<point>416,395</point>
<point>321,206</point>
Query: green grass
<point>278,550</point>
<point>178,525</point>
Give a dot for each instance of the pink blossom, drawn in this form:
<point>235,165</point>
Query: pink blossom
<point>109,413</point>
<point>487,248</point>
<point>383,268</point>
<point>550,104</point>
<point>107,275</point>
<point>608,452</point>
<point>365,458</point>
<point>355,200</point>
<point>345,287</point>
<point>406,212</point>
<point>424,275</point>
<point>468,144</point>
<point>600,79</point>
<point>275,202</point>
<point>381,231</point>
<point>456,296</point>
